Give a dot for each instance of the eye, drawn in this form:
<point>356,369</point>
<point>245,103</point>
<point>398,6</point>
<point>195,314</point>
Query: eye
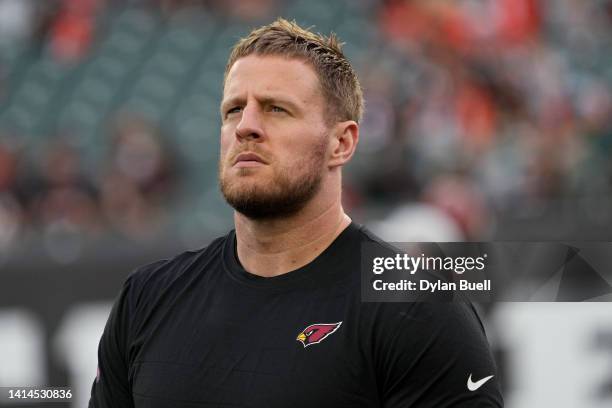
<point>235,109</point>
<point>275,108</point>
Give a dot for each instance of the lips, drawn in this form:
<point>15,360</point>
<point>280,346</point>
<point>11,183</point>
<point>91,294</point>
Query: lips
<point>248,157</point>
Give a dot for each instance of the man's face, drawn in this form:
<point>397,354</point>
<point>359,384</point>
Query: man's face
<point>274,137</point>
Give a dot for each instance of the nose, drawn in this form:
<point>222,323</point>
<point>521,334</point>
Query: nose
<point>250,127</point>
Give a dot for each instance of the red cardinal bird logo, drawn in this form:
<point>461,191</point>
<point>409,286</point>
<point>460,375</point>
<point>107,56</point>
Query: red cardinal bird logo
<point>316,333</point>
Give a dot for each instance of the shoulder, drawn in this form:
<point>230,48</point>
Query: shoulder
<point>368,236</point>
<point>370,241</point>
<point>153,277</point>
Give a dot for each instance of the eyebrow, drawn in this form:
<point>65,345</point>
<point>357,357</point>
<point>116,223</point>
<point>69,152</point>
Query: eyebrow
<point>266,100</point>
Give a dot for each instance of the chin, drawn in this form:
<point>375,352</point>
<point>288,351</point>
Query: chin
<point>244,184</point>
<point>244,188</point>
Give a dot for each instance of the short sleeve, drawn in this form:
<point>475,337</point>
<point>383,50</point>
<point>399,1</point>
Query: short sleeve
<point>111,387</point>
<point>436,355</point>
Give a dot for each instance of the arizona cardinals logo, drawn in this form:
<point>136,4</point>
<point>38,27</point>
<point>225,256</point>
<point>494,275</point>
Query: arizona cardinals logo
<point>316,333</point>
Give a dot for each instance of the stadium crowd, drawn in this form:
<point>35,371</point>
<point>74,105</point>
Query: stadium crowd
<point>475,108</point>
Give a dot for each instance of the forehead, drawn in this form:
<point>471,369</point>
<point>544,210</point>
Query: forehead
<point>265,74</point>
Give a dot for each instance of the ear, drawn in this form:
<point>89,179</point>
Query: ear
<point>345,136</point>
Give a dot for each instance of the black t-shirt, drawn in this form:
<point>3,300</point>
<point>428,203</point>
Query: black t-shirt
<point>200,331</point>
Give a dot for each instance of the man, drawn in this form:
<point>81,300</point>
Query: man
<point>270,315</point>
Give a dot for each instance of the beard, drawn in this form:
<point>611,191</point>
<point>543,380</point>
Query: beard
<point>285,194</point>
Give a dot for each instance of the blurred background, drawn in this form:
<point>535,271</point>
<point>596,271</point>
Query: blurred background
<point>485,120</point>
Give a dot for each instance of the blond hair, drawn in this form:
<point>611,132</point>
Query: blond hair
<point>337,79</point>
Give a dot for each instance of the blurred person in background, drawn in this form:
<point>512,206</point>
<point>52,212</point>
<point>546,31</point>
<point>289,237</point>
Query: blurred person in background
<point>64,206</point>
<point>66,194</point>
<point>139,178</point>
<point>72,28</point>
<point>271,314</point>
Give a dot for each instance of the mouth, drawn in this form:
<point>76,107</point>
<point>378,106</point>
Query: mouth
<point>249,160</point>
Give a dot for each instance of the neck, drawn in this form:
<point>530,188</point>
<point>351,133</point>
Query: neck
<point>273,247</point>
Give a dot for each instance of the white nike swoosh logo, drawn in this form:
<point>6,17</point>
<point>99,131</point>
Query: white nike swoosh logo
<point>473,386</point>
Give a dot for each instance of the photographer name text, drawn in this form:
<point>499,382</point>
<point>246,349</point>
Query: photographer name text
<point>431,286</point>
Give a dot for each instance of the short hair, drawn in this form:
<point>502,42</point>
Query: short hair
<point>337,79</point>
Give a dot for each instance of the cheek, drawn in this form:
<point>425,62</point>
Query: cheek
<point>300,158</point>
<point>225,143</point>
